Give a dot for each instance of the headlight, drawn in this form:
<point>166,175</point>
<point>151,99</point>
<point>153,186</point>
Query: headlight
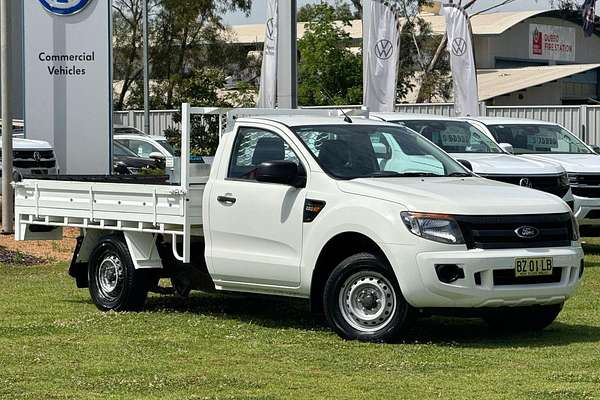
<point>575,227</point>
<point>437,227</point>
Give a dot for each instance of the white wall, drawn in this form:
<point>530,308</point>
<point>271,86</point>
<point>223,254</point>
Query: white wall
<point>548,94</point>
<point>16,21</point>
<point>514,44</point>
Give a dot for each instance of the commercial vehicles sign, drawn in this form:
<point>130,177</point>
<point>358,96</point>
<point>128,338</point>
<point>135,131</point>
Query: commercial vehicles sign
<point>549,42</point>
<point>68,91</point>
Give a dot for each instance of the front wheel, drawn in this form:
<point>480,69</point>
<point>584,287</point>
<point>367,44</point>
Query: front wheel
<point>532,318</point>
<point>362,300</point>
<point>114,283</point>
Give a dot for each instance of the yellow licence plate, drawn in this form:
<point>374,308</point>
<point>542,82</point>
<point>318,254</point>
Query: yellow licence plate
<point>538,266</point>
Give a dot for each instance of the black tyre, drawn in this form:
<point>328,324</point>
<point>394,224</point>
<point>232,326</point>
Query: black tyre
<point>362,300</point>
<point>114,282</point>
<point>533,318</point>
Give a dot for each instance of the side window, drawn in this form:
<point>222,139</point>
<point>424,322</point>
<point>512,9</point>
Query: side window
<point>139,147</point>
<point>254,146</point>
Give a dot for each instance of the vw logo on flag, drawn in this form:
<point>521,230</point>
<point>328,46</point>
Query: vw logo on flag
<point>65,7</point>
<point>270,29</point>
<point>384,49</point>
<point>459,46</point>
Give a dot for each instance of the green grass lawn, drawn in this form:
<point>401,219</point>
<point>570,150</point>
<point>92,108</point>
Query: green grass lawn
<point>54,344</point>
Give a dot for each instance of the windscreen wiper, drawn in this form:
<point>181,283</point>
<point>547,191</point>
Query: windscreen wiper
<point>416,174</point>
<point>460,174</point>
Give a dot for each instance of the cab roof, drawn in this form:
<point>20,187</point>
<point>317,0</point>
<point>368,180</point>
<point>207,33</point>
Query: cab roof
<point>308,120</point>
<point>396,116</point>
<point>507,121</point>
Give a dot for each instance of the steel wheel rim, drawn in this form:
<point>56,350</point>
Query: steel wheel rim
<point>110,276</point>
<point>367,301</point>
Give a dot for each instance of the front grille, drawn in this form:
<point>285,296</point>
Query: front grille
<point>505,277</point>
<point>34,159</point>
<point>499,232</point>
<point>553,184</point>
<point>585,185</point>
<point>594,214</point>
<point>27,154</point>
<point>34,164</point>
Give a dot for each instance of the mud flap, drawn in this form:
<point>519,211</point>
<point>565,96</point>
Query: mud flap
<point>78,270</point>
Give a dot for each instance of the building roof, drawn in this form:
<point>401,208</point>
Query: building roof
<point>498,82</point>
<point>483,24</point>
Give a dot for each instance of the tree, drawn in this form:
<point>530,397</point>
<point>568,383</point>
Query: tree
<point>342,11</point>
<point>184,35</point>
<point>329,71</point>
<point>127,30</point>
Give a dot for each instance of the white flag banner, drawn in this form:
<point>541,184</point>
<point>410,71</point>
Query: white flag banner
<point>267,94</point>
<point>462,61</point>
<point>381,44</point>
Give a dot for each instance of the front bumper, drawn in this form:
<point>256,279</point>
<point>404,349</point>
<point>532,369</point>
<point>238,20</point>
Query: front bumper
<point>423,289</point>
<point>587,211</point>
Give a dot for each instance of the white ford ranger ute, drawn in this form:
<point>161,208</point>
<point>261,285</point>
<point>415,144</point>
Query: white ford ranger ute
<point>469,145</point>
<point>300,206</point>
<point>544,141</point>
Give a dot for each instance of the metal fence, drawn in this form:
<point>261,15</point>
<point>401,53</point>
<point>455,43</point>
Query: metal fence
<point>584,121</point>
<point>160,120</point>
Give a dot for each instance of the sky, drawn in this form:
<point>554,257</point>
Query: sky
<point>257,15</point>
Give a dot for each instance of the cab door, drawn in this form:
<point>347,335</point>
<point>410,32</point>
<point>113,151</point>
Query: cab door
<point>255,227</point>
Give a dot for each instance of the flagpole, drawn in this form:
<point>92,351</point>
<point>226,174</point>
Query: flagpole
<point>146,70</point>
<point>7,151</point>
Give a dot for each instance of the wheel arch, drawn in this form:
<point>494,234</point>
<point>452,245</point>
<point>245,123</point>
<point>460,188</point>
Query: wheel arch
<point>335,250</point>
<point>141,246</point>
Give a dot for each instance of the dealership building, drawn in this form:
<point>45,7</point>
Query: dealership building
<point>523,58</point>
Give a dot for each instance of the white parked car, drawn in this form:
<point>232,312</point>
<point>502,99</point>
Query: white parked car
<point>465,142</point>
<point>544,141</point>
<point>147,146</point>
<point>300,206</point>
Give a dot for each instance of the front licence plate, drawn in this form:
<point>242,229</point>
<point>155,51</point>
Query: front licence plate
<point>538,266</point>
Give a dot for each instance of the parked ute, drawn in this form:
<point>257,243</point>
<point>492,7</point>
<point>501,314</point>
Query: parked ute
<point>300,206</point>
<point>544,141</point>
<point>469,145</point>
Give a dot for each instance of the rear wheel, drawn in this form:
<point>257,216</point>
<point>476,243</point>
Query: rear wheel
<point>362,300</point>
<point>533,318</point>
<point>114,283</point>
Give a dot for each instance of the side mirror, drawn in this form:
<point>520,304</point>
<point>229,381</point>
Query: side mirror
<point>507,147</point>
<point>157,156</point>
<point>281,172</point>
<point>466,164</point>
<point>381,151</point>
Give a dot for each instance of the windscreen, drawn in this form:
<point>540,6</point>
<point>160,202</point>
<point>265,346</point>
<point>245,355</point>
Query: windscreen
<point>359,151</point>
<point>531,138</point>
<point>454,136</point>
<point>167,146</point>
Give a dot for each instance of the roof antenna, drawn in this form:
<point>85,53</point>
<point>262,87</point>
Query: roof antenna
<point>330,98</point>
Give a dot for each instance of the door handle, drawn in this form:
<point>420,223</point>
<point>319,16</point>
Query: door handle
<point>226,199</point>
